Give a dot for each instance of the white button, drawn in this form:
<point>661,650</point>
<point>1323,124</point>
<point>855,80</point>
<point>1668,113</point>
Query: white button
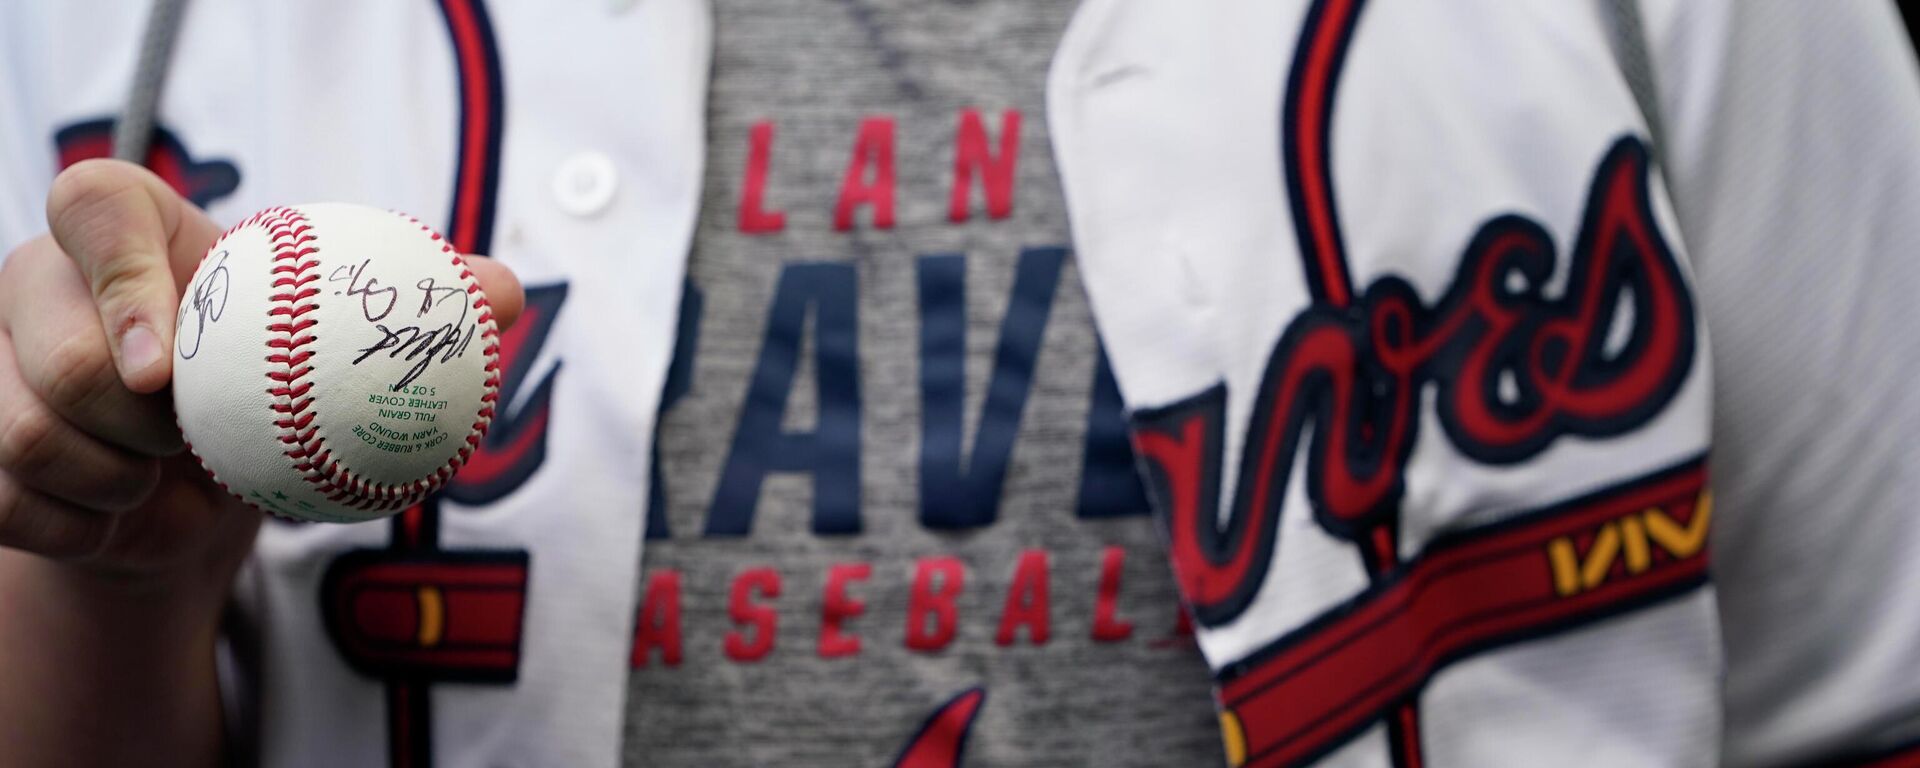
<point>584,184</point>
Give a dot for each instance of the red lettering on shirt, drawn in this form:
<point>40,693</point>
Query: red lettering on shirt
<point>762,621</point>
<point>873,147</point>
<point>836,608</point>
<point>1026,600</point>
<point>996,172</point>
<point>659,624</point>
<point>755,218</point>
<point>931,600</point>
<point>1108,627</point>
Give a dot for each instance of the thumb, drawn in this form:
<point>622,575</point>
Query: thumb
<point>501,287</point>
<point>134,239</point>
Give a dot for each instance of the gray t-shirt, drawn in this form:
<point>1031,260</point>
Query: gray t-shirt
<point>896,517</point>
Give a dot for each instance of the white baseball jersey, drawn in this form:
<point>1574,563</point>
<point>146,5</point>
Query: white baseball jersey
<point>494,625</point>
<point>1448,332</point>
<point>1413,304</point>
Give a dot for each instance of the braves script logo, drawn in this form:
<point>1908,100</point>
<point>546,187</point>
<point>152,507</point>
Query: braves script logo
<point>1512,356</point>
<point>1515,368</point>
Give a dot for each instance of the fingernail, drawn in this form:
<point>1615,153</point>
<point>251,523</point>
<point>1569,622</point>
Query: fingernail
<point>139,349</point>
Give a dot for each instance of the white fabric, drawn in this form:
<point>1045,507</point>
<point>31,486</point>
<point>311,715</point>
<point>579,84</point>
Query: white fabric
<point>1167,124</point>
<point>45,84</point>
<point>1794,159</point>
<point>1794,174</point>
<point>580,517</point>
<point>356,101</point>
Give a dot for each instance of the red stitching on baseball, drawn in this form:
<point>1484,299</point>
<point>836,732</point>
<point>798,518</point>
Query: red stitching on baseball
<point>292,240</point>
<point>293,243</point>
<point>312,458</point>
<point>201,460</point>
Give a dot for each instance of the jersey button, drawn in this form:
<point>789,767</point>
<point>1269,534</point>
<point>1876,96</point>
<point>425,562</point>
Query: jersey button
<point>584,183</point>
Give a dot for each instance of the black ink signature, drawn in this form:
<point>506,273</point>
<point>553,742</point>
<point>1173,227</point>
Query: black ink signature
<point>431,295</point>
<point>422,347</point>
<point>370,291</point>
<point>207,299</point>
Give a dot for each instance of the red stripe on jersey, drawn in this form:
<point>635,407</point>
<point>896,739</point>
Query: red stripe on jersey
<point>476,95</point>
<point>1323,45</point>
<point>1310,690</point>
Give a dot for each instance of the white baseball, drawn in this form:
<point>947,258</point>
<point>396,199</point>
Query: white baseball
<point>333,362</point>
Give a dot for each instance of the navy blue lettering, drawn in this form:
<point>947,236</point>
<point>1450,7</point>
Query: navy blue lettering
<point>679,382</point>
<point>956,490</point>
<point>831,452</point>
<point>1109,483</point>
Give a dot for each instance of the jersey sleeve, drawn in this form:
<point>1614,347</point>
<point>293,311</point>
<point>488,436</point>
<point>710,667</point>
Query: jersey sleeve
<point>1792,147</point>
<point>26,154</point>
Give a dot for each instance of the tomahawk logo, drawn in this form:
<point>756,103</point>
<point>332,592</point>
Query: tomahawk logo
<point>203,180</point>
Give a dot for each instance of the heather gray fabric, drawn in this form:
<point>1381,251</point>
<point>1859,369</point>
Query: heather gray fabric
<point>815,69</point>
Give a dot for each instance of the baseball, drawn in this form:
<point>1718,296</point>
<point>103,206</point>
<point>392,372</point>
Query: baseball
<point>333,362</point>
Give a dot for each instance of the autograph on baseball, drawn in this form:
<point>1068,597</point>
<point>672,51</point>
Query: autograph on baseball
<point>342,338</point>
<point>207,299</point>
<point>422,344</point>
